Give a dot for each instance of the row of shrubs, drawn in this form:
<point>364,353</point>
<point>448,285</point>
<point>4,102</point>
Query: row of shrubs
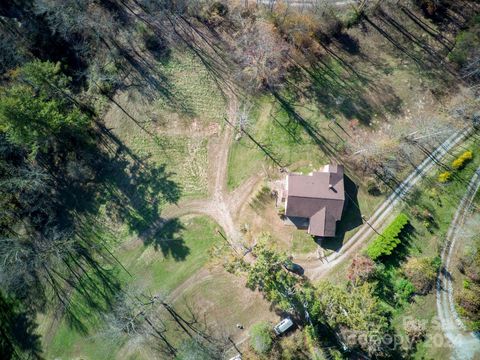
<point>457,165</point>
<point>388,240</point>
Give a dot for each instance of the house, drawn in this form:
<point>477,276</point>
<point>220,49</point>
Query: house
<point>318,199</point>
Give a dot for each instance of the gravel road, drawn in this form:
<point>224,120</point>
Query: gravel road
<point>321,267</point>
<point>465,344</point>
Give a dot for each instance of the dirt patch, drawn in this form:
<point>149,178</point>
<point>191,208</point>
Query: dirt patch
<point>223,301</point>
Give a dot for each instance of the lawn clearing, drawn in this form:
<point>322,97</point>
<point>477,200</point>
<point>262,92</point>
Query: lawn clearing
<point>223,301</point>
<point>164,269</point>
<point>302,242</point>
<point>155,271</point>
<point>281,137</point>
<point>160,133</point>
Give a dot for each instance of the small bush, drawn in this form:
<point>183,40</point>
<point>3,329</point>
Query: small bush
<point>415,330</point>
<point>428,6</point>
<point>261,337</point>
<point>422,272</point>
<point>388,241</point>
<point>361,269</point>
<point>460,162</point>
<point>404,290</point>
<point>372,188</point>
<point>215,14</point>
<point>469,305</point>
<point>352,18</point>
<point>444,177</point>
<point>464,43</point>
<point>330,27</point>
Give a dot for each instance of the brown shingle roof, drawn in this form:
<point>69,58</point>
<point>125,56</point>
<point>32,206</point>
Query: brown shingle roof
<point>319,197</point>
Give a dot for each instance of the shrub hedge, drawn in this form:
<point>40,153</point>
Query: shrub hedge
<point>388,241</point>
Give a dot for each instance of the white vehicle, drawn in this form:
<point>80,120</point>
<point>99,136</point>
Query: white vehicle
<point>236,357</point>
<point>283,326</point>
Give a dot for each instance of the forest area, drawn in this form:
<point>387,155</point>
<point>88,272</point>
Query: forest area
<point>138,143</point>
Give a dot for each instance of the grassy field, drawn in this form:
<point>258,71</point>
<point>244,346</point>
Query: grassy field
<point>222,301</point>
<point>281,137</point>
<point>302,242</point>
<point>163,133</point>
<point>153,271</point>
<point>193,88</point>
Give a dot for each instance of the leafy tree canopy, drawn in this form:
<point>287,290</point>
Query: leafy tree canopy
<point>37,107</point>
<point>356,313</point>
<point>261,337</point>
<point>268,274</point>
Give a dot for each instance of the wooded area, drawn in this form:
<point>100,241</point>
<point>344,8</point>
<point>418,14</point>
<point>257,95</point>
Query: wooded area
<point>114,114</point>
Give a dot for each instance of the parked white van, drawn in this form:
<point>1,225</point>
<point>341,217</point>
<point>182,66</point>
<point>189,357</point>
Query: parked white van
<point>283,326</point>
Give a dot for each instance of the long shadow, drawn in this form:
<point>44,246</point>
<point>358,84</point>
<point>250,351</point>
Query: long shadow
<point>351,217</point>
<point>18,331</point>
<point>338,91</point>
<point>264,148</point>
<point>432,55</point>
<point>133,189</point>
<point>429,59</point>
<point>321,141</point>
<point>78,268</point>
<point>428,29</point>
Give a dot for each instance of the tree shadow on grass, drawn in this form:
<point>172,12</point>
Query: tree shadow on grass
<point>98,176</point>
<point>94,294</point>
<point>351,217</point>
<point>130,188</point>
<point>17,331</point>
<point>169,241</point>
<point>318,138</point>
<point>348,43</point>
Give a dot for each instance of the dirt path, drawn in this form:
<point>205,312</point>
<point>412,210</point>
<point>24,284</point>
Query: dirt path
<point>465,344</point>
<point>221,205</point>
<point>316,269</point>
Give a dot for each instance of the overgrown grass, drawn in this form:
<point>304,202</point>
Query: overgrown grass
<point>173,130</point>
<point>194,88</point>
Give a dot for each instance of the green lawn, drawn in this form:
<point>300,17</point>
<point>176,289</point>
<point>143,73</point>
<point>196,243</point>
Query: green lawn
<point>154,271</point>
<point>302,242</point>
<point>282,137</point>
<point>162,271</point>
